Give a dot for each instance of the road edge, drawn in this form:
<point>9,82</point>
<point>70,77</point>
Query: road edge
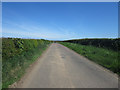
<point>98,65</point>
<point>28,70</point>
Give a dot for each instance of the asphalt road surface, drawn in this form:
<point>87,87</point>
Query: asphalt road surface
<point>60,67</point>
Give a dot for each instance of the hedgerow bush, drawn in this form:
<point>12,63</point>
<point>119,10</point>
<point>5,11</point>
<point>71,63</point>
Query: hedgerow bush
<point>104,43</point>
<point>17,55</point>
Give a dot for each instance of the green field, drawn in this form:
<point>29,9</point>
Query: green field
<point>105,57</point>
<point>17,55</point>
<point>108,43</point>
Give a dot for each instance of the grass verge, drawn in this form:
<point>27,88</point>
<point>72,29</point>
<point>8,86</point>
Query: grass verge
<point>15,68</point>
<point>106,58</point>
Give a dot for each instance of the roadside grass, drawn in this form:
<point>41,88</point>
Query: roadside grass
<point>106,58</point>
<point>15,68</point>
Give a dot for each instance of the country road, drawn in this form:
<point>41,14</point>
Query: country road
<point>60,67</point>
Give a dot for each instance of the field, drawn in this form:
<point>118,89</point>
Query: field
<point>17,55</point>
<point>112,44</point>
<point>108,58</point>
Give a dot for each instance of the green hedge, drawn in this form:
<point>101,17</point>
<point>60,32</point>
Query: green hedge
<point>104,43</point>
<point>17,55</point>
<point>15,46</point>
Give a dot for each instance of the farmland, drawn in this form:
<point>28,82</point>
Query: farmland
<point>112,44</point>
<point>17,55</point>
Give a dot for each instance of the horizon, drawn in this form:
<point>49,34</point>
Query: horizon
<point>60,21</point>
<point>62,40</point>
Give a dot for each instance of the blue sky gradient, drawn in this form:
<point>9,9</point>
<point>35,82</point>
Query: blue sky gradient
<point>60,21</point>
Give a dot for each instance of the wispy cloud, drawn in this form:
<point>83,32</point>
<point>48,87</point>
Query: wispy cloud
<point>35,34</point>
<point>33,31</point>
<point>28,30</point>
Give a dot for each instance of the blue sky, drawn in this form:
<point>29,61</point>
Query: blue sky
<point>60,21</point>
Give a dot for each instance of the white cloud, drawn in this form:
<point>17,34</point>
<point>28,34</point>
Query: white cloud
<point>33,31</point>
<point>46,35</point>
